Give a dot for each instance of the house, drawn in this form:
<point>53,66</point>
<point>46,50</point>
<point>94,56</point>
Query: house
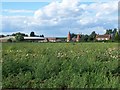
<point>103,37</point>
<point>60,39</point>
<point>51,39</point>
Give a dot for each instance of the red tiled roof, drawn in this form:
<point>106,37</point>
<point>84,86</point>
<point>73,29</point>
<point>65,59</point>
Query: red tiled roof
<point>103,36</point>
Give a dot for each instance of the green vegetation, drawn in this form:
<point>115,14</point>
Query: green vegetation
<point>117,37</point>
<point>19,37</point>
<point>60,65</point>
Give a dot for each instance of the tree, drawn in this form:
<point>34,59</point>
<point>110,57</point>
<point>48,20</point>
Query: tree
<point>86,38</point>
<point>9,40</point>
<point>2,35</point>
<point>73,35</point>
<point>14,34</point>
<point>32,34</point>
<point>113,34</point>
<point>42,35</point>
<point>19,37</point>
<point>92,36</point>
<point>117,37</point>
<point>109,31</point>
<point>115,30</point>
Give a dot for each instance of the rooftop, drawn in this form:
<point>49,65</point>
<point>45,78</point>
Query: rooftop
<point>34,38</point>
<point>103,36</point>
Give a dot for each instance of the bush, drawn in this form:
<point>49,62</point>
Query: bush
<point>9,40</point>
<point>19,37</point>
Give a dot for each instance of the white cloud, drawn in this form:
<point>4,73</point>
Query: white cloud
<point>60,17</point>
<point>17,11</point>
<point>14,23</point>
<point>86,14</point>
<point>59,10</point>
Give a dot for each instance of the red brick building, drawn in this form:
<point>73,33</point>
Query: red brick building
<point>73,39</point>
<point>78,38</point>
<point>69,37</point>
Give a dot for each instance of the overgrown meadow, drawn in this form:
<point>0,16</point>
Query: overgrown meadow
<point>60,65</point>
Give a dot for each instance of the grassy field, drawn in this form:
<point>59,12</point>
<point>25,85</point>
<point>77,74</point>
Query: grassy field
<point>60,65</point>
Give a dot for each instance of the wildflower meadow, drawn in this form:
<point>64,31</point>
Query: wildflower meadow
<point>60,65</point>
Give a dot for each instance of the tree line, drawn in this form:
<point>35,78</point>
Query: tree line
<point>115,35</point>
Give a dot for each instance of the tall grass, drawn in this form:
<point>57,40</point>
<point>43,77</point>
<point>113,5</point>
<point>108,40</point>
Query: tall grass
<point>60,65</point>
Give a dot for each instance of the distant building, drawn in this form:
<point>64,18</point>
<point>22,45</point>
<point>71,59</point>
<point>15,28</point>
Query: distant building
<point>78,38</point>
<point>74,39</point>
<point>103,37</point>
<point>39,39</point>
<point>69,37</point>
<point>51,39</point>
<point>5,39</point>
<point>44,39</point>
<point>60,39</point>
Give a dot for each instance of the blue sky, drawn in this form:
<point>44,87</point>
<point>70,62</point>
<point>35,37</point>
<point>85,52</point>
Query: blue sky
<point>22,6</point>
<point>57,18</point>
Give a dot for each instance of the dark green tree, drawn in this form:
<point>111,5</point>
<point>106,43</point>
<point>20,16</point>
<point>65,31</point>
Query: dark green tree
<point>32,34</point>
<point>117,38</point>
<point>2,35</point>
<point>109,31</point>
<point>115,30</point>
<point>113,34</point>
<point>9,40</point>
<point>42,35</point>
<point>19,37</point>
<point>92,36</point>
<point>14,34</point>
<point>82,38</point>
<point>86,37</point>
<point>73,35</point>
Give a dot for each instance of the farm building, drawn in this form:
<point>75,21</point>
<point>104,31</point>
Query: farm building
<point>39,39</point>
<point>69,37</point>
<point>5,39</point>
<point>74,39</point>
<point>60,39</point>
<point>44,39</point>
<point>78,38</point>
<point>103,37</point>
<point>51,39</point>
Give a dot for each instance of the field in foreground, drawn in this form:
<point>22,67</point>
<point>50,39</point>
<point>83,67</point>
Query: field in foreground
<point>60,65</point>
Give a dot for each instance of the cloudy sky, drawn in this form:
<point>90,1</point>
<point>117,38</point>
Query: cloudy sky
<point>58,17</point>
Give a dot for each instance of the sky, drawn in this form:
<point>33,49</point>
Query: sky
<point>58,17</point>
